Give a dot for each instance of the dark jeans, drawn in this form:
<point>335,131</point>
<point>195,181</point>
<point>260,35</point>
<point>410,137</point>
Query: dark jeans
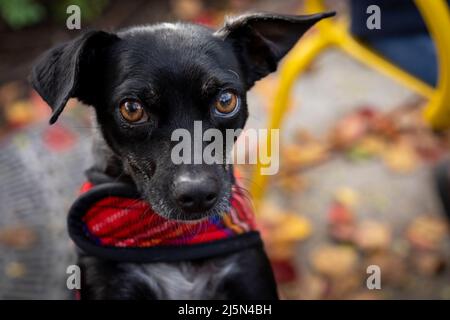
<point>413,53</point>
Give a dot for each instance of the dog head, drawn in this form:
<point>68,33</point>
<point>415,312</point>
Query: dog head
<point>146,82</point>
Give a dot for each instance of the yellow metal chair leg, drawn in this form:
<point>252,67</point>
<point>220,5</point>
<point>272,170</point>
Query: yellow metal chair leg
<point>437,18</point>
<point>335,33</point>
<point>371,59</point>
<point>302,56</point>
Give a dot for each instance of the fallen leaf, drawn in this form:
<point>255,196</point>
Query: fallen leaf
<point>372,235</point>
<point>282,230</point>
<point>342,287</point>
<point>368,147</point>
<point>291,227</point>
<point>427,232</point>
<point>15,270</point>
<point>334,260</point>
<point>346,196</point>
<point>17,237</point>
<point>428,263</point>
<point>340,218</point>
<point>311,287</point>
<point>400,158</point>
<point>351,129</point>
<point>10,92</point>
<point>187,9</point>
<point>19,113</point>
<point>300,156</point>
<point>383,125</point>
<point>284,270</point>
<point>393,267</point>
<point>58,138</point>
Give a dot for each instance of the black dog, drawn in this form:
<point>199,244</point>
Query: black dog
<point>145,82</point>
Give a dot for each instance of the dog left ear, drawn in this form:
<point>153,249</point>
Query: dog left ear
<point>260,40</point>
<point>69,70</point>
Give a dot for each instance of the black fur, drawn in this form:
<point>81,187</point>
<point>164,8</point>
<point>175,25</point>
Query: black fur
<point>176,71</point>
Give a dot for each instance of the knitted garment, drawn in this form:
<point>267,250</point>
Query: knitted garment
<point>112,222</point>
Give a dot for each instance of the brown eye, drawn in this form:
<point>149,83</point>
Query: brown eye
<point>226,102</point>
<point>133,112</point>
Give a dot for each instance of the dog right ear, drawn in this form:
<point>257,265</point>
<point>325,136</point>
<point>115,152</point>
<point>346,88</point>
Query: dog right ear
<point>261,40</point>
<point>67,70</point>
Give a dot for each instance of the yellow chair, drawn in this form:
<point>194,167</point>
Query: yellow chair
<point>334,32</point>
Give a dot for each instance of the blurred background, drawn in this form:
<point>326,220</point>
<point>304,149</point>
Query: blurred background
<point>356,185</point>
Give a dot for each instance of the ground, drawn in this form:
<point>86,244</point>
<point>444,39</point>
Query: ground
<point>336,87</point>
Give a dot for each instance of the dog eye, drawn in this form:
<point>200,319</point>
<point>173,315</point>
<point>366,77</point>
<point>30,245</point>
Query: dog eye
<point>133,112</point>
<point>226,102</point>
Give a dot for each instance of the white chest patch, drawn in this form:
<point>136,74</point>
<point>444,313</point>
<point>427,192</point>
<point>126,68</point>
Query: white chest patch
<point>185,280</point>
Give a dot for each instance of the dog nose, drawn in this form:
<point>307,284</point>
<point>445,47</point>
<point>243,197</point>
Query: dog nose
<point>195,192</point>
